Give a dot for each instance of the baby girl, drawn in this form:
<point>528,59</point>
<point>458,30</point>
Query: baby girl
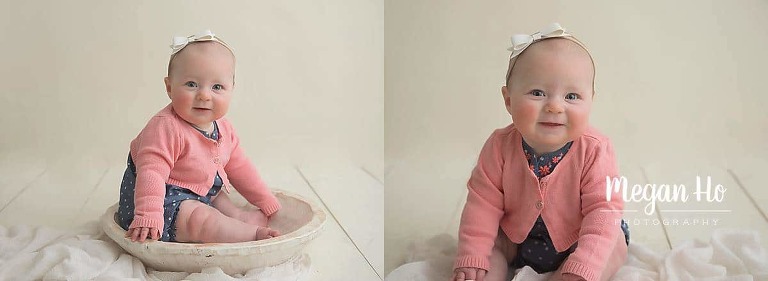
<point>537,196</point>
<point>188,152</point>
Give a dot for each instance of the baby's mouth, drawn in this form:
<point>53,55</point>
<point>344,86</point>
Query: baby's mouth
<point>550,124</point>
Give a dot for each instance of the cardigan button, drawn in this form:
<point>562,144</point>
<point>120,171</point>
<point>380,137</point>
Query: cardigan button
<point>216,160</point>
<point>539,205</point>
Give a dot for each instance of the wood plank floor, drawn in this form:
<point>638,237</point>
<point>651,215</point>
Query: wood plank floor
<point>68,192</point>
<point>65,193</point>
<point>350,194</point>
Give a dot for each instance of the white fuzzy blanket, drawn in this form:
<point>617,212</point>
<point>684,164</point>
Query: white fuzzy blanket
<point>730,255</point>
<point>44,253</point>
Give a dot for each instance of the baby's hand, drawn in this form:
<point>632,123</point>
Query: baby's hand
<point>141,233</point>
<point>468,274</point>
<point>571,277</point>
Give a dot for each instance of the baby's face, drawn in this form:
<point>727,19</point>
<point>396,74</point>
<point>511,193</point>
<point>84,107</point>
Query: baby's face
<point>200,83</point>
<point>549,94</point>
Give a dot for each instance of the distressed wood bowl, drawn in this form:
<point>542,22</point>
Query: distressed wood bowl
<point>299,220</point>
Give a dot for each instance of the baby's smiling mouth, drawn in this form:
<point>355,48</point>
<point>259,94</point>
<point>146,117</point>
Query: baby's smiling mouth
<point>550,124</point>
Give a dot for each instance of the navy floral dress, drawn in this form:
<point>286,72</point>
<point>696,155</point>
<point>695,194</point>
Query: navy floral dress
<point>537,250</point>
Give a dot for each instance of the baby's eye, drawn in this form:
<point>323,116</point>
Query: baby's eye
<point>572,96</point>
<point>190,84</point>
<point>218,87</point>
<point>537,93</point>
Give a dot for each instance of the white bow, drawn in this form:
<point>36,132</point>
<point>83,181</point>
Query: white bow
<point>522,41</point>
<point>180,42</point>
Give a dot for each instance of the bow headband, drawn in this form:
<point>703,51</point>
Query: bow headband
<point>520,42</point>
<point>179,42</point>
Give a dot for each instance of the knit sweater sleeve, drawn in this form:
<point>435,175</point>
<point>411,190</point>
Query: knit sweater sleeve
<point>154,152</point>
<point>601,223</point>
<point>246,180</point>
<point>484,208</point>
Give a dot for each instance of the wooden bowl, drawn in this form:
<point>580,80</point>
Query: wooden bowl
<point>299,220</point>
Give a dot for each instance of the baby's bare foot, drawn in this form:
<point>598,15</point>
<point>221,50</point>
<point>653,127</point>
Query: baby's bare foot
<point>266,233</point>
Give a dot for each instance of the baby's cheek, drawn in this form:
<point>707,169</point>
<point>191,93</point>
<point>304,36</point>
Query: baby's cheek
<point>220,109</point>
<point>523,113</point>
<point>579,122</point>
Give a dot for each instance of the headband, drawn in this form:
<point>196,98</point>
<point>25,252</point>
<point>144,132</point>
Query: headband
<point>179,42</point>
<point>520,42</point>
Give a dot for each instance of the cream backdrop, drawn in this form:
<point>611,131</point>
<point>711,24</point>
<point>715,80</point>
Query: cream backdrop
<point>84,76</point>
<point>675,79</point>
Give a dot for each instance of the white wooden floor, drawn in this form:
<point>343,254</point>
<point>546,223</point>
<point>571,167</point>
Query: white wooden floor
<point>65,193</point>
<point>438,194</point>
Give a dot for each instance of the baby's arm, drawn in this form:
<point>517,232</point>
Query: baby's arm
<point>154,154</point>
<point>598,227</point>
<point>484,208</point>
<point>244,177</point>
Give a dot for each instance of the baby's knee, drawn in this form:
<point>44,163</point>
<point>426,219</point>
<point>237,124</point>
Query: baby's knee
<point>616,260</point>
<point>506,247</point>
<point>194,219</point>
<point>499,269</point>
<point>497,254</point>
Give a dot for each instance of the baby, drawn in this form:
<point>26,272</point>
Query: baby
<point>187,152</point>
<point>537,195</point>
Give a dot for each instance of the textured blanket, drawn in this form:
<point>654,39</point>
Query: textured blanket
<point>43,253</point>
<point>730,255</point>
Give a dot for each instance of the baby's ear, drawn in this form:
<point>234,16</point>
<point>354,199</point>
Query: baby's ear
<point>505,95</point>
<point>167,86</point>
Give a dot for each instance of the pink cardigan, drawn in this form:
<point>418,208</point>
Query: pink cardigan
<point>504,192</point>
<point>170,150</point>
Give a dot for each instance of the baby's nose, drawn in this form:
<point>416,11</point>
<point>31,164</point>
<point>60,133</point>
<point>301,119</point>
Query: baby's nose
<point>204,94</point>
<point>554,107</point>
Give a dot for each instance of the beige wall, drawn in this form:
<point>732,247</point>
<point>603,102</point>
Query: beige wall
<point>673,76</point>
<point>85,76</point>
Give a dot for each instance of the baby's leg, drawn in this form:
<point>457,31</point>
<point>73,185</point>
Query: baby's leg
<point>614,262</point>
<point>503,252</point>
<point>617,258</point>
<point>226,206</point>
<point>198,222</point>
